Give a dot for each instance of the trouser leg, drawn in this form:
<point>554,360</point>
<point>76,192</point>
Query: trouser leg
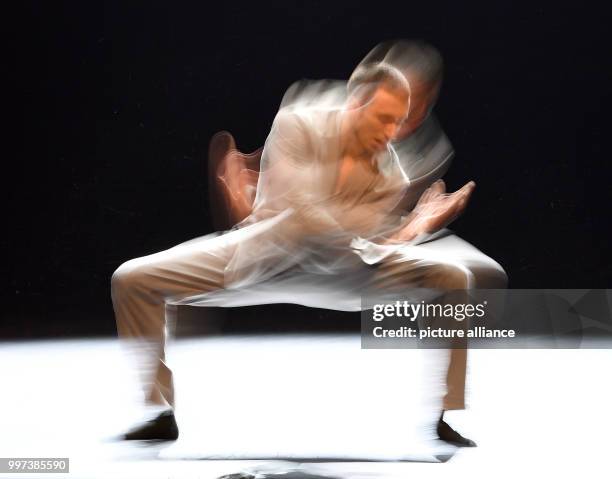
<point>142,292</point>
<point>447,263</point>
<point>399,273</point>
<point>455,380</point>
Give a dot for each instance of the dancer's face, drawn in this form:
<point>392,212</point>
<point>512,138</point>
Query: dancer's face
<point>422,98</point>
<point>377,121</point>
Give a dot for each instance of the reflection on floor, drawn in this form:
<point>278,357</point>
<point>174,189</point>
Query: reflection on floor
<point>317,400</point>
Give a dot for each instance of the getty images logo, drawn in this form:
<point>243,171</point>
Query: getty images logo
<point>412,311</point>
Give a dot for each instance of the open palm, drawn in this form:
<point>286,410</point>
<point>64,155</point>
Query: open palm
<point>436,209</point>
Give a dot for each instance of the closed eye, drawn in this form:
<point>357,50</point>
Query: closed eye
<point>387,119</point>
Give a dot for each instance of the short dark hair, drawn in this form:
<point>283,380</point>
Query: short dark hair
<point>368,77</point>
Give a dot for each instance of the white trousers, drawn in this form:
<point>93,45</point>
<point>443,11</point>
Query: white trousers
<point>146,292</point>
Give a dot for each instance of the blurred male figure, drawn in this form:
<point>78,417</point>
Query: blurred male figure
<point>328,211</point>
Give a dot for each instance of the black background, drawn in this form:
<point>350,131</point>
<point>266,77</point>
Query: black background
<point>115,104</point>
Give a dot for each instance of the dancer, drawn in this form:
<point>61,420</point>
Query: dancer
<point>348,196</point>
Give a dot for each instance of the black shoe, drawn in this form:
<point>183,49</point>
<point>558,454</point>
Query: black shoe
<point>448,434</point>
<point>161,428</point>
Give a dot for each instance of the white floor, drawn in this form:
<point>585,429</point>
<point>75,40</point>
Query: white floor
<point>361,413</point>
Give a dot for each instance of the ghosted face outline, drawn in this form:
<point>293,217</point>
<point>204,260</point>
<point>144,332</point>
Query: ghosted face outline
<point>378,120</point>
<point>422,97</point>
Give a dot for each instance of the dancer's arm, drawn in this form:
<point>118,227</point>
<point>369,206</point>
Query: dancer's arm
<point>435,210</point>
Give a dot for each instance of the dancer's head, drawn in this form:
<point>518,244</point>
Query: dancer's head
<point>392,91</point>
<point>423,67</point>
<point>378,102</point>
<point>398,68</point>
